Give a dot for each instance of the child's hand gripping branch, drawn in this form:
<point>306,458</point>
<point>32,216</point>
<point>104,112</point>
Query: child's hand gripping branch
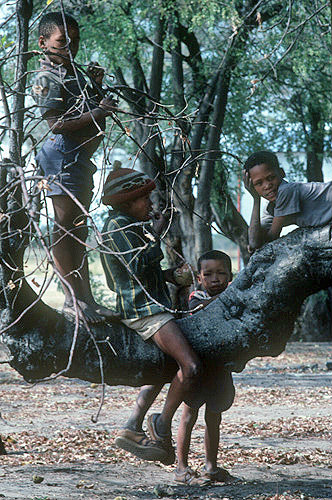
<point>96,72</point>
<point>159,222</point>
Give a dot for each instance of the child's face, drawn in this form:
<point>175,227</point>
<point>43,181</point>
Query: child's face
<point>57,47</point>
<point>140,208</point>
<point>214,276</point>
<point>266,180</point>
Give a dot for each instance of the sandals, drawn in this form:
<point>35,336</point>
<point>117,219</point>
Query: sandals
<point>140,445</point>
<point>164,441</point>
<point>218,476</point>
<point>190,477</point>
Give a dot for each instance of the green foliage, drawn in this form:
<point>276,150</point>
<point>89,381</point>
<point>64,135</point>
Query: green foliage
<point>5,43</point>
<point>279,60</point>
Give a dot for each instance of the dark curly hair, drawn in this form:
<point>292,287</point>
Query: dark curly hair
<point>260,157</point>
<point>51,20</point>
<point>215,255</point>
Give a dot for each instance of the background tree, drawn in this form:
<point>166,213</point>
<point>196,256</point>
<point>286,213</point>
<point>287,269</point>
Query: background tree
<point>203,59</point>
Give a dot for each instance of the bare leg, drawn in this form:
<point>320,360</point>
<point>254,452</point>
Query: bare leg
<point>145,398</point>
<point>2,448</point>
<point>212,433</point>
<point>171,341</point>
<point>329,295</point>
<point>187,422</point>
<point>211,439</point>
<point>70,259</point>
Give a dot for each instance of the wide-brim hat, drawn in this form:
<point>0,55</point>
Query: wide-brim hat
<point>125,184</point>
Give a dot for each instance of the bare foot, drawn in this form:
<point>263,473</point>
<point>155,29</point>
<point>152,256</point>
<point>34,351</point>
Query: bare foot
<point>91,312</point>
<point>108,314</point>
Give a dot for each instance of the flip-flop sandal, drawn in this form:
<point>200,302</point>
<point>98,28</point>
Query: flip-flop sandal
<point>190,477</point>
<point>140,445</point>
<point>218,476</point>
<point>165,441</point>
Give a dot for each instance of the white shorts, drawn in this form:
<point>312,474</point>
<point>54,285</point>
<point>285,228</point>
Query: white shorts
<point>147,326</point>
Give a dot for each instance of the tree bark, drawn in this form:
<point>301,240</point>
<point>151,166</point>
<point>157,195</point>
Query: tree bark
<point>253,317</point>
<point>14,216</point>
<point>315,146</point>
<point>202,228</point>
<point>233,226</point>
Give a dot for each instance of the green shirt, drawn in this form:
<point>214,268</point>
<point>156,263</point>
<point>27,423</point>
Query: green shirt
<point>129,250</point>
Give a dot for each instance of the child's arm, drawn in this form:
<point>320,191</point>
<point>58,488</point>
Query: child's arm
<point>257,234</point>
<point>62,125</point>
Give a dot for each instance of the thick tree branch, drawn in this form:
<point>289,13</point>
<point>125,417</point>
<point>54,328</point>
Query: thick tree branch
<point>253,317</point>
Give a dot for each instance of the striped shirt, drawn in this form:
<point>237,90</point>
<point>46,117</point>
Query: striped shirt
<point>197,298</point>
<point>131,258</point>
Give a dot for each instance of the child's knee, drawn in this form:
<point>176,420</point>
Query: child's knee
<point>193,370</point>
<point>189,415</point>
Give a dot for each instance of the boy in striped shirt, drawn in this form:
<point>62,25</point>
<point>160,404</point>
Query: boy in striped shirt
<point>131,259</point>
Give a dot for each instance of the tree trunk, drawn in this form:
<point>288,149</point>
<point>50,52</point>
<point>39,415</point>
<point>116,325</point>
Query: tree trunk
<point>315,318</point>
<point>11,200</point>
<point>233,226</point>
<point>315,146</point>
<point>253,317</point>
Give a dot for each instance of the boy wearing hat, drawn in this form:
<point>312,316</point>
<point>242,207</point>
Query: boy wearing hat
<point>131,257</point>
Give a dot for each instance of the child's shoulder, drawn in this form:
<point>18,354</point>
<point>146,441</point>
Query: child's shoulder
<point>288,189</point>
<point>118,219</point>
<point>199,295</point>
<point>47,85</point>
<point>115,215</point>
<point>50,70</point>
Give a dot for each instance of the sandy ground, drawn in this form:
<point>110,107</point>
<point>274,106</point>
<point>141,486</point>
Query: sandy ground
<point>276,438</point>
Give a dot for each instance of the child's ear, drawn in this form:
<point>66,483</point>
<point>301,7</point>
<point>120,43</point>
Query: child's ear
<point>41,42</point>
<point>198,277</point>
